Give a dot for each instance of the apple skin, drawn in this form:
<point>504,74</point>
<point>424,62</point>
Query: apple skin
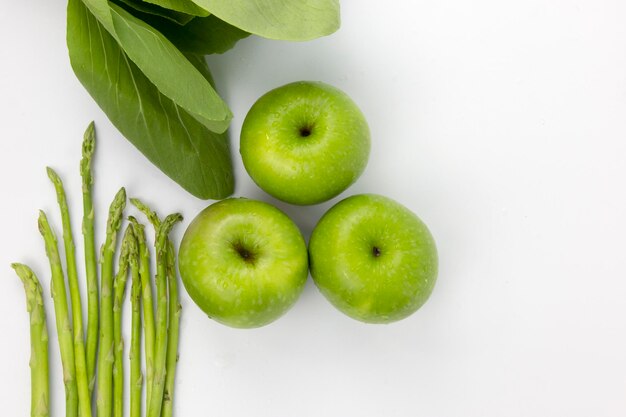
<point>305,142</point>
<point>243,262</point>
<point>373,259</point>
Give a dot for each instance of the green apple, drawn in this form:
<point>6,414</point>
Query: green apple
<point>243,262</point>
<point>373,259</point>
<point>305,142</point>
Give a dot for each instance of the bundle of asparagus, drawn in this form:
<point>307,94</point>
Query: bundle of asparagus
<point>92,360</point>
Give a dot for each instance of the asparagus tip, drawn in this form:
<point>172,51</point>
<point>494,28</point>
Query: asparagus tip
<point>23,271</point>
<point>152,216</point>
<point>115,210</point>
<point>89,137</point>
<point>88,149</point>
<point>54,177</point>
<point>42,221</point>
<point>89,141</point>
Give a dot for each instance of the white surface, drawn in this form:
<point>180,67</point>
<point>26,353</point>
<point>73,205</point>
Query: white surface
<point>501,123</point>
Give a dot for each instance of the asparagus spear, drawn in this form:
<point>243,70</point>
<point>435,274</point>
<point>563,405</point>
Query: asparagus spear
<point>82,380</point>
<point>136,379</point>
<point>153,218</point>
<point>64,327</point>
<point>39,389</point>
<point>174,310</point>
<point>129,248</point>
<point>148,304</point>
<point>105,353</point>
<point>91,268</point>
<point>173,332</point>
<point>160,353</point>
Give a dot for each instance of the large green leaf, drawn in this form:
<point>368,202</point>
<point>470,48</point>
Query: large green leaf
<point>295,20</point>
<point>163,64</point>
<point>169,70</point>
<point>153,9</point>
<point>199,62</point>
<point>172,139</point>
<point>203,35</point>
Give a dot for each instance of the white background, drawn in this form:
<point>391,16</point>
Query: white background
<point>501,123</point>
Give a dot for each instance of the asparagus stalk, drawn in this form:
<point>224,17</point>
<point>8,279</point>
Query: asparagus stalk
<point>64,327</point>
<point>152,216</point>
<point>174,310</point>
<point>105,353</point>
<point>129,248</point>
<point>160,355</point>
<point>173,332</point>
<point>136,379</point>
<point>148,304</point>
<point>82,379</point>
<point>39,388</point>
<point>91,268</point>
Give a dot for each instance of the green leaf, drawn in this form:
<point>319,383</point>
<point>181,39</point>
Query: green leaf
<point>183,6</point>
<point>169,70</point>
<point>154,10</point>
<point>201,65</point>
<point>164,65</point>
<point>294,20</point>
<point>171,138</point>
<point>203,35</point>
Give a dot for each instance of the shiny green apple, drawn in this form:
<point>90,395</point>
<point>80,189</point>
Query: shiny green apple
<point>373,259</point>
<point>243,262</point>
<point>305,142</point>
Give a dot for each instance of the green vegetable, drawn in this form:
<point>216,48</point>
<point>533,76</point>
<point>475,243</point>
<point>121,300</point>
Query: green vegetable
<point>160,355</point>
<point>174,311</point>
<point>161,338</point>
<point>91,267</point>
<point>203,35</point>
<point>163,64</point>
<point>170,137</point>
<point>148,304</point>
<point>173,332</point>
<point>39,385</point>
<point>143,7</point>
<point>64,326</point>
<point>82,379</point>
<point>293,20</point>
<point>168,69</point>
<point>150,214</point>
<point>129,248</point>
<point>106,347</point>
<point>136,379</point>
